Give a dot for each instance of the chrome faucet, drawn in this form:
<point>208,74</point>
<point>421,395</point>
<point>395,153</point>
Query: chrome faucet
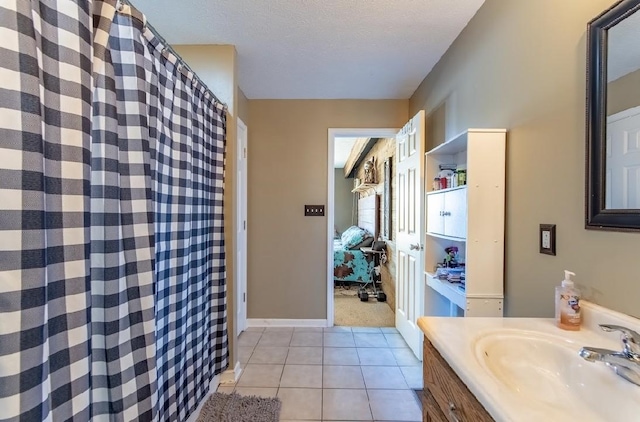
<point>625,363</point>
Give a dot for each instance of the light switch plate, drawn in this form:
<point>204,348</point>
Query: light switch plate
<point>547,239</point>
<point>314,210</point>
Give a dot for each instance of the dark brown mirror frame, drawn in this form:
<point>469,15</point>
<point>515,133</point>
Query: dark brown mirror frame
<point>597,216</point>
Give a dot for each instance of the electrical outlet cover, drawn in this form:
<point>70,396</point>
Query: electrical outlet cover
<point>547,239</point>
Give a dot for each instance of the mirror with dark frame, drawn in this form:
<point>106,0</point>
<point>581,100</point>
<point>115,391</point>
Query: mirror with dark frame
<point>613,119</point>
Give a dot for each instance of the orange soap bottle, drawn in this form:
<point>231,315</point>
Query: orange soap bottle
<point>568,316</point>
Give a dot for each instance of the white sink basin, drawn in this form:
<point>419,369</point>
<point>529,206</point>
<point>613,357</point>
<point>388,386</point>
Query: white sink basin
<point>546,370</point>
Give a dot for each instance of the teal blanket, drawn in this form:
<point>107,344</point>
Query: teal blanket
<point>350,264</point>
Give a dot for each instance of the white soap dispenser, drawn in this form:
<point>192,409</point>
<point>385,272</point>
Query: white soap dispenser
<point>568,316</point>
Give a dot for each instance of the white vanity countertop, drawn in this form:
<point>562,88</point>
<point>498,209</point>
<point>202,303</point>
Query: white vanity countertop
<point>455,340</point>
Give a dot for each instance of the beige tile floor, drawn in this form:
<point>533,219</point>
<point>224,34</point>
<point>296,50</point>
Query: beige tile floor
<point>331,374</point>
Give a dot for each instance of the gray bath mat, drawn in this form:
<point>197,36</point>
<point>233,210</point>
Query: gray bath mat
<point>236,408</point>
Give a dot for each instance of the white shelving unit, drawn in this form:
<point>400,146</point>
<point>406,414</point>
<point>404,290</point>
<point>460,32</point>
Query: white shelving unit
<point>470,217</point>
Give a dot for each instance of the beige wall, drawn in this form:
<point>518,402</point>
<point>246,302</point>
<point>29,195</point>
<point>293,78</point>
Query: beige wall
<point>243,107</point>
<point>623,93</point>
<point>287,270</point>
<point>216,66</point>
<point>383,149</point>
<point>521,65</point>
<point>343,201</point>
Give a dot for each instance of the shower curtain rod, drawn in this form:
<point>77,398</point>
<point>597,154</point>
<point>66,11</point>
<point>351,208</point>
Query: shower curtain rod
<point>125,8</point>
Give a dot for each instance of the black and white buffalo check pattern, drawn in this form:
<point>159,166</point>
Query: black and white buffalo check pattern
<point>123,370</point>
<point>45,128</point>
<point>188,127</point>
<point>112,266</point>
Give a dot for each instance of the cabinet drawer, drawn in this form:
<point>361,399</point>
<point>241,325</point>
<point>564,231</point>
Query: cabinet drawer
<point>430,409</point>
<point>454,399</point>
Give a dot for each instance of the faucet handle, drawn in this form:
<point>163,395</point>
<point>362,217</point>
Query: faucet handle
<point>630,338</point>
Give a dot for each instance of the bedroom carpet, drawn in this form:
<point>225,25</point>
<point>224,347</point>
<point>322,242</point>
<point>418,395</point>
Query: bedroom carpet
<point>236,408</point>
<point>351,312</point>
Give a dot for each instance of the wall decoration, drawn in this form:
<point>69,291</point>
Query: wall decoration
<point>370,171</point>
<point>386,211</point>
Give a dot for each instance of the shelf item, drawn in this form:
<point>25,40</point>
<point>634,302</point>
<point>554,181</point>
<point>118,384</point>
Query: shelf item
<point>470,217</point>
<point>364,187</point>
<point>447,289</point>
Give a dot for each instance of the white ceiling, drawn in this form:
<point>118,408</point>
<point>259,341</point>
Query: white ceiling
<point>341,150</point>
<point>623,48</point>
<point>320,49</point>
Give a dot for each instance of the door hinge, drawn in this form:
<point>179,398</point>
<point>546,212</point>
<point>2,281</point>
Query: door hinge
<point>244,152</point>
<point>244,297</point>
<point>245,224</point>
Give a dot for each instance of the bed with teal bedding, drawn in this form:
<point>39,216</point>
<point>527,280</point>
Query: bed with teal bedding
<point>349,262</point>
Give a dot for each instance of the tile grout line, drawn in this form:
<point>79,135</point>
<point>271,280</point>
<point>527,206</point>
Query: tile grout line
<point>322,382</point>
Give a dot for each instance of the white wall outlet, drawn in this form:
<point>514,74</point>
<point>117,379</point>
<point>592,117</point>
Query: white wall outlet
<point>548,239</point>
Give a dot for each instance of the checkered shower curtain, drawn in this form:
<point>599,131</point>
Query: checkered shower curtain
<point>123,370</point>
<point>112,282</point>
<point>45,298</point>
<point>188,127</point>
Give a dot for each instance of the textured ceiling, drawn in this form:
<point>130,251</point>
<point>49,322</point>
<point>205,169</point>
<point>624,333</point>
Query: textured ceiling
<point>624,47</point>
<point>312,49</point>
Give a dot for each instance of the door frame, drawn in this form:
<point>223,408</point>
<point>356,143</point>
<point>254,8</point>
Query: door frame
<point>334,133</point>
<point>241,217</point>
<point>623,114</point>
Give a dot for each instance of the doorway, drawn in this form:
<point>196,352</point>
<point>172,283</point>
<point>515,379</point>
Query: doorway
<point>333,218</point>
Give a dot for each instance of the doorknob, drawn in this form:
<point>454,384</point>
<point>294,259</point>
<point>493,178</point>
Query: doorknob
<point>416,247</point>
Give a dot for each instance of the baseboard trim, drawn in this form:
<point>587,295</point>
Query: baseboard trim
<point>231,376</point>
<point>259,322</point>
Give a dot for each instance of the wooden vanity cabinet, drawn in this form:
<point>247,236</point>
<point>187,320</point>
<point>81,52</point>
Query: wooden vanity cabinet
<point>430,409</point>
<point>446,398</point>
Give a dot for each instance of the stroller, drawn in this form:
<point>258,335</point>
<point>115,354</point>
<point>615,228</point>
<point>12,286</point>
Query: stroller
<point>370,289</point>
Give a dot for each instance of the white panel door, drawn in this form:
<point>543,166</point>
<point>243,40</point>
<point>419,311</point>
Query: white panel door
<point>455,213</point>
<point>623,160</point>
<point>435,208</point>
<point>410,143</point>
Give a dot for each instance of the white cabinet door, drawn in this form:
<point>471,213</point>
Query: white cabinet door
<point>455,213</point>
<point>447,213</point>
<point>435,207</point>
